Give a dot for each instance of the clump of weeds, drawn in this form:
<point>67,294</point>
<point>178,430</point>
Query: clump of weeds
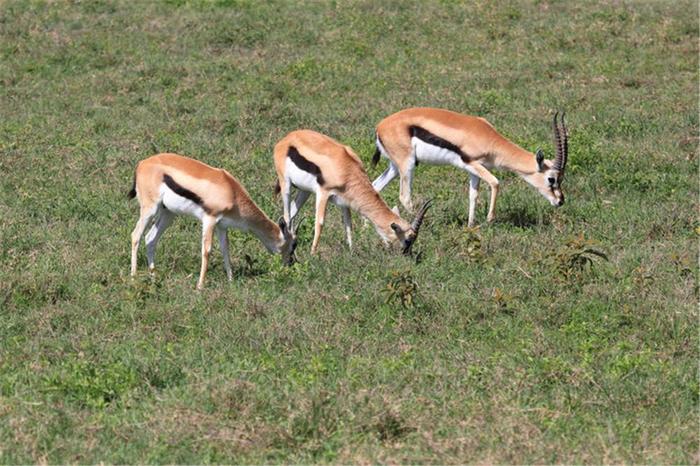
<point>401,288</point>
<point>466,244</point>
<point>504,300</point>
<point>576,256</point>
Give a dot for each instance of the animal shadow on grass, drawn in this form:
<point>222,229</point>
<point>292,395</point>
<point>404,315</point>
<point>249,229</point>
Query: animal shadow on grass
<point>249,267</point>
<point>518,216</point>
<point>523,217</point>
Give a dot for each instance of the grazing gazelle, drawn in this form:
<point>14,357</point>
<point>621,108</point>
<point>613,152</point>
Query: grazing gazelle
<point>313,162</point>
<point>441,137</point>
<point>168,184</point>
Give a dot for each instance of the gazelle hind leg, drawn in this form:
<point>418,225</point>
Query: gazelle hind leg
<point>165,219</point>
<point>145,218</point>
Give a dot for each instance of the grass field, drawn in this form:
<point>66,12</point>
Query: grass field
<point>509,343</point>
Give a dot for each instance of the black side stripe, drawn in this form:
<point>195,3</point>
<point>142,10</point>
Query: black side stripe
<point>304,164</point>
<point>429,138</point>
<point>181,191</point>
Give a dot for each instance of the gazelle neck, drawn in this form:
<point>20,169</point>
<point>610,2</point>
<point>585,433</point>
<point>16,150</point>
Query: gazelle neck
<point>368,203</point>
<point>267,231</point>
<point>514,158</point>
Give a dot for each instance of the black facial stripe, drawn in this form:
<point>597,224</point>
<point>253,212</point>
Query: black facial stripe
<point>181,191</point>
<point>304,164</point>
<point>429,138</point>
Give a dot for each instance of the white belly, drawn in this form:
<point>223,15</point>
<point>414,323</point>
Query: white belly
<point>301,179</point>
<point>434,155</point>
<point>179,205</point>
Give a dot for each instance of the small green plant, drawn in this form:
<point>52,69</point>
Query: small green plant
<point>391,426</point>
<point>143,288</point>
<point>401,288</point>
<point>576,256</point>
<point>472,250</point>
<point>683,263</point>
<point>466,244</point>
<point>503,300</point>
<point>93,385</point>
<point>643,279</point>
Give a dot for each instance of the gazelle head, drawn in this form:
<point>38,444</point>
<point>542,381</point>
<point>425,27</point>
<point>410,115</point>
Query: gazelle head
<point>406,235</point>
<point>290,243</point>
<point>548,177</point>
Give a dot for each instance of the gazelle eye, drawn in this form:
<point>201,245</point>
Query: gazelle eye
<point>551,180</point>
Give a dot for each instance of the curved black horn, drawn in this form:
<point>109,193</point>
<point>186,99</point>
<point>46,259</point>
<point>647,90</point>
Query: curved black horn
<point>294,228</point>
<point>565,142</point>
<point>558,145</point>
<point>419,216</point>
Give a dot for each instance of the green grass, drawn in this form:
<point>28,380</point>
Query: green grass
<point>501,345</point>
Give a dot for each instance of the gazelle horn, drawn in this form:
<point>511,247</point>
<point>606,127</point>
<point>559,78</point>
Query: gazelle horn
<point>561,142</point>
<point>419,216</point>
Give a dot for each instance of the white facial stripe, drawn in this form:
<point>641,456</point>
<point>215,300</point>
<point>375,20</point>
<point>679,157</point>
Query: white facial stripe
<point>434,155</point>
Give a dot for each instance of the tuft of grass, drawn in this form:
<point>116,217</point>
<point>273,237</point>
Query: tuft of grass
<point>401,288</point>
<point>576,256</point>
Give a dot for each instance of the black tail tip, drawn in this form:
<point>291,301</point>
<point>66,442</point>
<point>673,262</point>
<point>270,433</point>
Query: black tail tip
<point>132,194</point>
<point>375,158</point>
<point>278,188</point>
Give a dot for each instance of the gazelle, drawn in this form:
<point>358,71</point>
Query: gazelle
<point>313,162</point>
<point>168,185</point>
<point>441,137</point>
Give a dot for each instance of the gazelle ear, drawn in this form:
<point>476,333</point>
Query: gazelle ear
<point>395,209</point>
<point>396,228</point>
<point>540,159</point>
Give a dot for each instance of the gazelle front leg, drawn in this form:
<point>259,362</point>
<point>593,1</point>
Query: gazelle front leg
<point>208,225</point>
<point>321,203</point>
<point>473,196</point>
<point>286,189</point>
<point>406,180</point>
<point>297,204</point>
<point>384,179</point>
<point>479,170</point>
<point>165,218</point>
<point>223,244</point>
<point>347,221</point>
<point>145,217</point>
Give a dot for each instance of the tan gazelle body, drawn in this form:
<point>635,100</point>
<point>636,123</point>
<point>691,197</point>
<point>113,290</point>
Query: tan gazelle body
<point>167,185</point>
<point>441,137</point>
<point>315,163</point>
